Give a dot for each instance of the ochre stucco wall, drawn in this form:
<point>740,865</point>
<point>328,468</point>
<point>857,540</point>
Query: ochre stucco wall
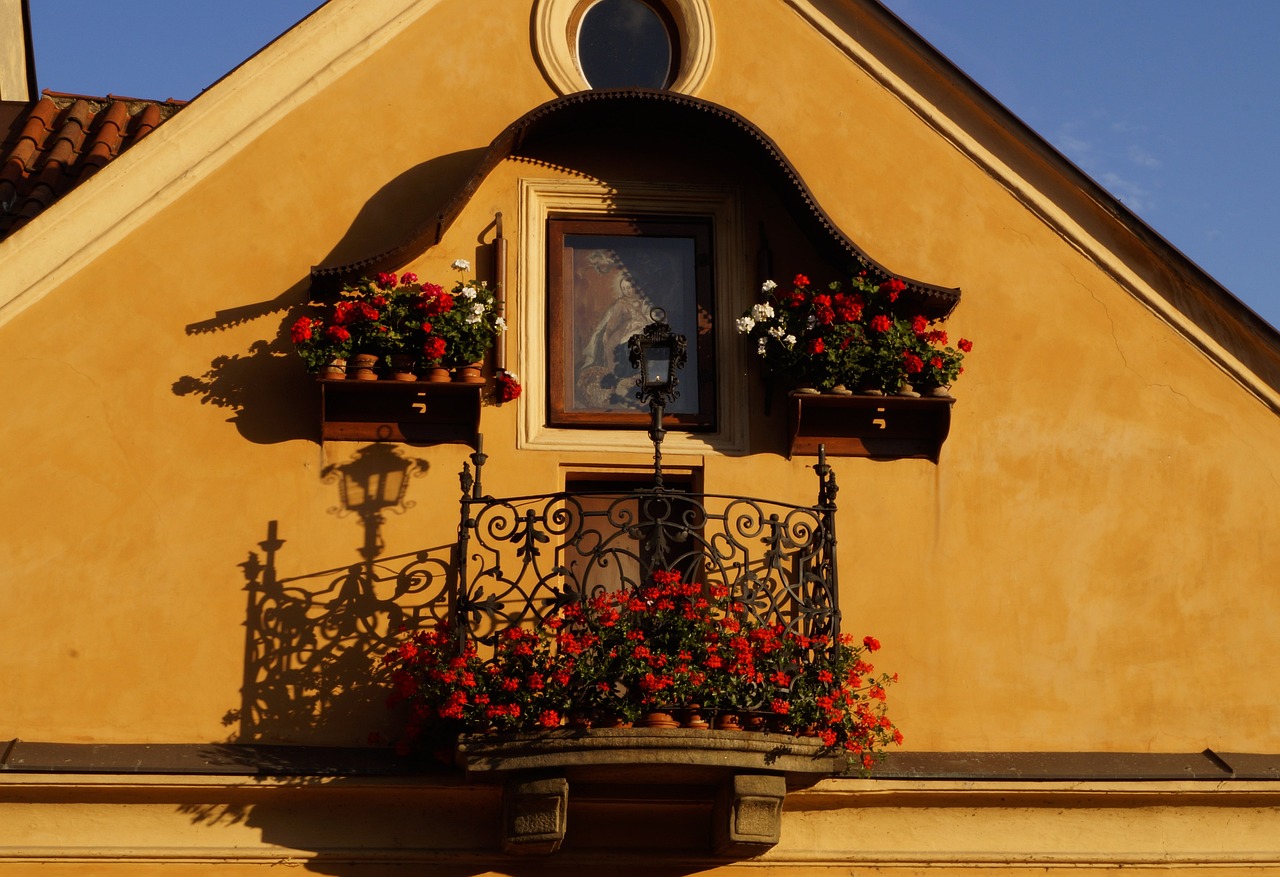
<point>1088,566</point>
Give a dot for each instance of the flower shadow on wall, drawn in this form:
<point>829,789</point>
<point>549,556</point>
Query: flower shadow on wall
<point>312,639</point>
<point>268,395</point>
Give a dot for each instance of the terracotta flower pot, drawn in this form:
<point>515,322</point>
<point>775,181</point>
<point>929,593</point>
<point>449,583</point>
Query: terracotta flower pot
<point>402,365</point>
<point>334,370</point>
<point>728,722</point>
<point>693,718</point>
<point>438,374</point>
<point>360,367</point>
<point>657,719</point>
<point>468,374</point>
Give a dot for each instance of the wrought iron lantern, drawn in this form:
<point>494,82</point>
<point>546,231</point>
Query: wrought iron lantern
<point>659,354</point>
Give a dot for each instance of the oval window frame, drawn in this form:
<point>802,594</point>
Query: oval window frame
<point>556,40</point>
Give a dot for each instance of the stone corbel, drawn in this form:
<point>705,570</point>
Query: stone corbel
<point>748,816</point>
<point>534,815</point>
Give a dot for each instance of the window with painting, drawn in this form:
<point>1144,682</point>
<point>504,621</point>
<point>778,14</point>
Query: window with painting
<point>606,277</point>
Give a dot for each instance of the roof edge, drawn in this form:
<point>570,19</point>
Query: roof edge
<point>1075,206</point>
<point>179,155</point>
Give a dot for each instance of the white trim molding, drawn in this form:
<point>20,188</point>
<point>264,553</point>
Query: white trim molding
<point>555,42</point>
<point>541,199</point>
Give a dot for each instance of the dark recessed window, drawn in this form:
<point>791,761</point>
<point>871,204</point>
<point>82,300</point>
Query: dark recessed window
<point>625,44</point>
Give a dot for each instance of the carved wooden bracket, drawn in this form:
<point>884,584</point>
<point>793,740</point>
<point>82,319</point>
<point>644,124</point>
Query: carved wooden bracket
<point>868,426</point>
<point>400,411</point>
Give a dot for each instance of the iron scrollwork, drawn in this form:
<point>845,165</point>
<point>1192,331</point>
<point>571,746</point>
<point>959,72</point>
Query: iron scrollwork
<point>522,557</point>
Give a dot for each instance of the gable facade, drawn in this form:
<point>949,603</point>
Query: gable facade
<point>1075,592</point>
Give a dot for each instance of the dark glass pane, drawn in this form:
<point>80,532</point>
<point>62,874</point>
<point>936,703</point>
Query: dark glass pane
<point>624,44</point>
<point>615,283</point>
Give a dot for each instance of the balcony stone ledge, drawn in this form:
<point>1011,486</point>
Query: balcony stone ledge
<point>746,775</point>
<point>681,756</point>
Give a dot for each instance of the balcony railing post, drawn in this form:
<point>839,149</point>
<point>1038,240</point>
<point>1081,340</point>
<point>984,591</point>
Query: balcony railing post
<point>827,490</point>
<point>471,493</point>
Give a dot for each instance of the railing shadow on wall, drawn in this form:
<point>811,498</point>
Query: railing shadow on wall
<point>312,640</point>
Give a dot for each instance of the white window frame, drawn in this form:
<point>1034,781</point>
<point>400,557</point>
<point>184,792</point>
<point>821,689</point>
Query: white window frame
<point>542,199</point>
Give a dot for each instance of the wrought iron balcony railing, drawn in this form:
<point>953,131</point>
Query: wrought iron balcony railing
<point>519,558</point>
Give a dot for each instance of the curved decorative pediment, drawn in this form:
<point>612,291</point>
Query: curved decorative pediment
<point>637,112</point>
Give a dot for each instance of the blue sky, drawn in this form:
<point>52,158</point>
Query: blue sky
<point>1169,104</point>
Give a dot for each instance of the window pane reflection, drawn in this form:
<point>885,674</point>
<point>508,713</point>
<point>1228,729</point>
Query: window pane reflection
<point>624,44</point>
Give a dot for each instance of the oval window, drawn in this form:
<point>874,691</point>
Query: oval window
<point>625,44</point>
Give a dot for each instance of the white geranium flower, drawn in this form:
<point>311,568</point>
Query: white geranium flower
<point>472,319</point>
<point>768,286</point>
<point>477,308</point>
<point>745,325</point>
<point>790,341</point>
<point>762,347</point>
<point>502,327</point>
<point>762,312</point>
<point>467,292</point>
<point>461,265</point>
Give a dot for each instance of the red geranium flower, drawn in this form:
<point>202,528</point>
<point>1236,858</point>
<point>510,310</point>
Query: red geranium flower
<point>301,330</point>
<point>506,387</point>
<point>433,349</point>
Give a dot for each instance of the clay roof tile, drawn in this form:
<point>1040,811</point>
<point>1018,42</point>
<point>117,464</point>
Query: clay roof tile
<point>107,139</point>
<point>64,140</point>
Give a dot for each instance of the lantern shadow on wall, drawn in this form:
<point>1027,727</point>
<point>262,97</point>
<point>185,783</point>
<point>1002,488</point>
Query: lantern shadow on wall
<point>312,640</point>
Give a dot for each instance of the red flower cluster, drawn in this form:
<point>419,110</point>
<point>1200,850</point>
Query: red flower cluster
<point>505,387</point>
<point>345,313</point>
<point>433,349</point>
<point>301,330</point>
<point>662,645</point>
<point>863,337</point>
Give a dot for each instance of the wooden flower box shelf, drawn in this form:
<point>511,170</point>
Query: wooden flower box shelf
<point>888,427</point>
<point>400,411</point>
